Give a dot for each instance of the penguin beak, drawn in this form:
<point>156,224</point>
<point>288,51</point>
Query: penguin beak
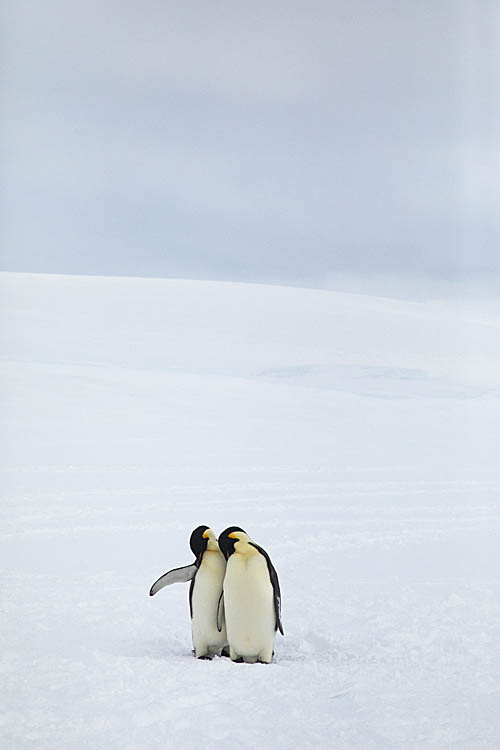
<point>240,536</point>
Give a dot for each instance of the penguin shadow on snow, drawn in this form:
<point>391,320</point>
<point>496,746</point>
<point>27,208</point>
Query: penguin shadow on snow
<point>234,596</point>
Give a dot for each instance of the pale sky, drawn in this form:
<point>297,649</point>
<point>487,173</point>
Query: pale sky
<point>259,141</point>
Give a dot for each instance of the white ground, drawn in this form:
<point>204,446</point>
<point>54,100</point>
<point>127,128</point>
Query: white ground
<point>355,438</point>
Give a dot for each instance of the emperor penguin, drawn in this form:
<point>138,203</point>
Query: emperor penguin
<point>251,598</point>
<point>206,575</point>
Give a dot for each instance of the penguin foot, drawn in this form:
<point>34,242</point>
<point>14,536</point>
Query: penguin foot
<point>205,656</point>
<point>225,652</point>
<point>265,656</point>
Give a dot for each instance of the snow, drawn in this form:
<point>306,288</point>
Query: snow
<point>354,437</point>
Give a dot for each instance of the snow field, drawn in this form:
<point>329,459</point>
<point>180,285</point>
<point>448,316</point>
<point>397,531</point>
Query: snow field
<point>354,438</point>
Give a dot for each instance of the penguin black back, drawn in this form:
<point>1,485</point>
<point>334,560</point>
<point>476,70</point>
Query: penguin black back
<point>225,543</point>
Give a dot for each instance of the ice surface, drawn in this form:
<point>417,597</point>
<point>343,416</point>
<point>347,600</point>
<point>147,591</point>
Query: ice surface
<point>355,438</point>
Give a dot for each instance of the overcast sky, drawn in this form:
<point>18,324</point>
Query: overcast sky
<point>260,141</point>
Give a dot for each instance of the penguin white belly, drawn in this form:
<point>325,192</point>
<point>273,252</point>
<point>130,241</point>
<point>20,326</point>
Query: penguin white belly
<point>249,608</point>
<point>207,588</point>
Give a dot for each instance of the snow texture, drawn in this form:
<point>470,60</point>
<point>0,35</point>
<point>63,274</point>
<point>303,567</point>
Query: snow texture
<point>355,438</point>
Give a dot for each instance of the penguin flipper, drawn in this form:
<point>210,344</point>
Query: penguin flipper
<point>177,575</point>
<point>273,576</point>
<point>220,612</point>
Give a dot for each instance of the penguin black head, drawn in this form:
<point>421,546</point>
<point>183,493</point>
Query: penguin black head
<point>198,541</point>
<point>203,538</point>
<point>227,540</point>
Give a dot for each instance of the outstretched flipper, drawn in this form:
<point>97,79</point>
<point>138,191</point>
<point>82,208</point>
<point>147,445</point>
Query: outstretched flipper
<point>220,612</point>
<point>177,575</point>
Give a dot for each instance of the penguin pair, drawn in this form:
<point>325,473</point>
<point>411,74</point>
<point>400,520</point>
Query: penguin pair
<point>234,596</point>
